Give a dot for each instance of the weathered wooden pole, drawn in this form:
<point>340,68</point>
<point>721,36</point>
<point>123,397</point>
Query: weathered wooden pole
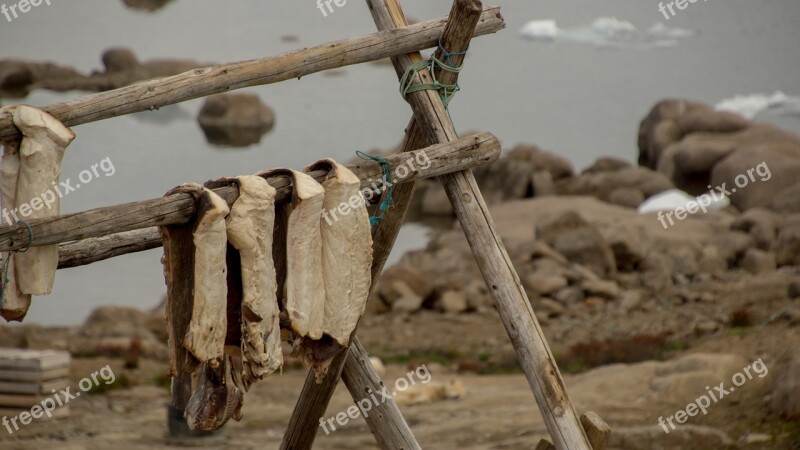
<point>180,208</point>
<point>501,278</point>
<point>385,421</point>
<point>226,77</point>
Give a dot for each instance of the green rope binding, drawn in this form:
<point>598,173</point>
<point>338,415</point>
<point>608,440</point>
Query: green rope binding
<point>446,91</point>
<point>7,262</point>
<point>387,181</point>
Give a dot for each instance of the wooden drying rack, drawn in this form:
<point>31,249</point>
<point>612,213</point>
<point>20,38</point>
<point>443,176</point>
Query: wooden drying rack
<point>103,233</point>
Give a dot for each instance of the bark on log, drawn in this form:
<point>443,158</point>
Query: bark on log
<point>471,151</point>
<point>207,81</point>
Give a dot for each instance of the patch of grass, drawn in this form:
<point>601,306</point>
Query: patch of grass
<point>120,382</point>
<point>163,381</point>
<point>443,357</point>
<point>484,356</point>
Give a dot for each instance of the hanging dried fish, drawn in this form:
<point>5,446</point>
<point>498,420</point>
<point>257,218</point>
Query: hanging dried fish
<point>346,250</point>
<point>304,290</point>
<point>43,144</point>
<point>205,338</point>
<point>15,303</point>
<point>250,228</point>
<point>216,398</point>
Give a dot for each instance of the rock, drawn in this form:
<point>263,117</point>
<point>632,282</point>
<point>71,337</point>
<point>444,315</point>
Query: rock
<point>579,242</point>
<point>631,300</point>
<point>404,299</point>
<point>407,273</point>
<point>794,290</point>
<point>601,288</point>
<point>711,261</point>
<point>558,166</point>
<point>601,184</point>
<point>607,164</point>
<point>430,392</point>
<point>236,120</point>
<point>542,285</point>
<point>16,77</point>
<point>756,174</point>
<point>569,296</point>
<point>146,5</point>
<point>119,59</point>
<point>648,437</point>
<point>550,308</point>
<point>787,244</point>
<point>762,224</point>
<point>785,398</point>
<point>542,250</point>
<point>758,261</point>
<point>377,364</point>
<point>453,302</point>
<point>732,245</point>
<point>705,327</point>
<point>626,196</point>
<point>757,438</point>
<point>478,298</point>
<point>787,201</point>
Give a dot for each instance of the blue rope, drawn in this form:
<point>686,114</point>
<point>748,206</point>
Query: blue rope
<point>387,180</point>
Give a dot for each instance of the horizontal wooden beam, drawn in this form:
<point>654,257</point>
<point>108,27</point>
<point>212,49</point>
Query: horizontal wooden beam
<point>179,208</point>
<point>217,79</point>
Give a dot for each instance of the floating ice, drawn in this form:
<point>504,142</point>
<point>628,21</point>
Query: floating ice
<point>606,32</point>
<point>751,105</point>
<point>540,30</point>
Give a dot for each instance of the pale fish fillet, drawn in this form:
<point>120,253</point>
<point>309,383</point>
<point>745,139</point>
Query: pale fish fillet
<point>15,303</point>
<point>43,143</point>
<point>250,227</point>
<point>346,250</point>
<point>304,290</point>
<point>205,338</point>
<point>216,398</point>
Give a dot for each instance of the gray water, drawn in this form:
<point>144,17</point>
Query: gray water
<point>578,100</point>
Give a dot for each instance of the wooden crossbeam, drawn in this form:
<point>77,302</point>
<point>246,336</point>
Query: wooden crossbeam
<point>180,208</point>
<point>217,79</point>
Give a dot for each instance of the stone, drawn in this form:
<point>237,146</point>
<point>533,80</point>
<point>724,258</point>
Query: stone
<point>569,296</point>
<point>236,120</point>
<point>569,234</point>
<point>542,285</point>
<point>453,302</point>
<point>626,196</point>
<point>119,59</point>
<point>631,300</point>
<point>787,244</point>
<point>758,261</point>
<point>761,223</point>
<point>402,298</point>
<point>607,164</point>
<point>412,276</point>
<point>785,398</point>
<point>705,327</point>
<point>550,308</point>
<point>601,288</point>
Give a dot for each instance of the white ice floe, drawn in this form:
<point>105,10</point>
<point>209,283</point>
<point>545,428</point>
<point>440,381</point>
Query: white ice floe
<point>751,105</point>
<point>606,32</point>
<point>675,198</point>
<point>540,30</point>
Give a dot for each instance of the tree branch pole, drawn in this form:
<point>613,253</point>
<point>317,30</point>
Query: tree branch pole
<point>217,79</point>
<point>501,278</point>
<point>386,422</point>
<point>180,208</point>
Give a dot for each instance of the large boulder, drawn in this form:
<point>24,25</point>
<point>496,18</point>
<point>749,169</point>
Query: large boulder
<point>621,185</point>
<point>569,234</point>
<point>236,120</point>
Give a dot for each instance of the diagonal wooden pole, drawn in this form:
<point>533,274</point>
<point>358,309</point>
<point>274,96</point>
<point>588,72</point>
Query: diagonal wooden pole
<point>385,420</point>
<point>501,278</point>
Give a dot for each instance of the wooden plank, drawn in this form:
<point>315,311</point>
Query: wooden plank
<point>8,387</point>
<point>88,251</point>
<point>596,429</point>
<point>60,412</point>
<point>206,81</point>
<point>471,151</point>
<point>501,278</point>
<point>34,375</point>
<point>22,359</point>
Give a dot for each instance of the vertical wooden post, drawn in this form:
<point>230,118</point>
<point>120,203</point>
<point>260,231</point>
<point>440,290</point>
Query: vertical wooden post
<point>386,422</point>
<point>501,278</point>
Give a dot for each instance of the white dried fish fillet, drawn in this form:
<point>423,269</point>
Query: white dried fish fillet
<point>346,250</point>
<point>250,228</point>
<point>15,303</point>
<point>43,144</point>
<point>205,338</point>
<point>304,290</point>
